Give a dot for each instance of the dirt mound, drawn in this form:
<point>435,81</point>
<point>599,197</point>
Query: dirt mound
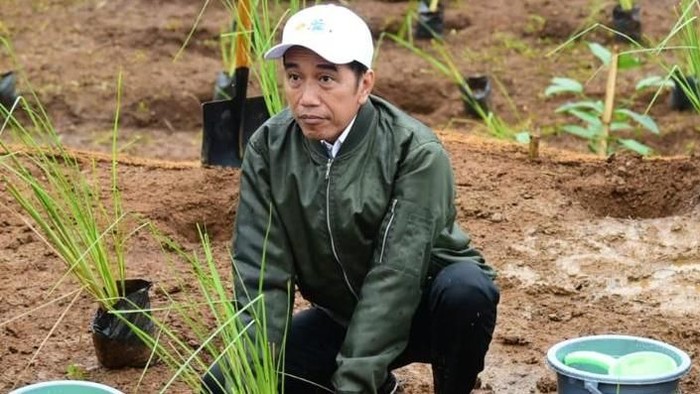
<point>631,187</point>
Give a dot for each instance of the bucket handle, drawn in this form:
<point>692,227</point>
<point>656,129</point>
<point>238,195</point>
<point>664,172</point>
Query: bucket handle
<point>592,387</point>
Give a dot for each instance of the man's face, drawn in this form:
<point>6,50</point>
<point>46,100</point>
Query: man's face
<point>324,97</point>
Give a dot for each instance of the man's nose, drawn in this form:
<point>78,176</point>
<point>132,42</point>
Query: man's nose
<point>309,95</point>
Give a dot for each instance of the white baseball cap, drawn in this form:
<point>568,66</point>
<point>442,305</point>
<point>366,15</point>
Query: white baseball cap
<point>335,33</point>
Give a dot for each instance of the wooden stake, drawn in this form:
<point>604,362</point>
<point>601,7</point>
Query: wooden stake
<point>534,151</point>
<point>609,104</point>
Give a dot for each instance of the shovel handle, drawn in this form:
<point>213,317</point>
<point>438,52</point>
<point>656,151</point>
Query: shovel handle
<point>243,37</point>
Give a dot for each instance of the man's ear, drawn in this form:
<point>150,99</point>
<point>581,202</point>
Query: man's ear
<point>366,85</point>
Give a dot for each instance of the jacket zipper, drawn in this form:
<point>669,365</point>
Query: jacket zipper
<point>330,232</point>
<point>388,227</point>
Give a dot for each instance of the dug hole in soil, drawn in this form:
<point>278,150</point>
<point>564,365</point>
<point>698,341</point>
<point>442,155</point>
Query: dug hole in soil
<point>583,245</point>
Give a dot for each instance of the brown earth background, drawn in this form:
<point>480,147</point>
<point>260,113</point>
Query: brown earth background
<point>583,245</point>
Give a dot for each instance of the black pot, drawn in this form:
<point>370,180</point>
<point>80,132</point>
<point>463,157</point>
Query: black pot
<point>116,345</point>
<point>679,99</point>
<point>628,23</point>
<point>7,89</point>
<point>430,24</point>
<point>477,95</point>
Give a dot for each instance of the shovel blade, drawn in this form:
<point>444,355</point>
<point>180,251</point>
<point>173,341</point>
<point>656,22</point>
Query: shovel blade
<point>228,125</point>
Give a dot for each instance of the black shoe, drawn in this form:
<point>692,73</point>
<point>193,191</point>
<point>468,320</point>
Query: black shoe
<point>390,385</point>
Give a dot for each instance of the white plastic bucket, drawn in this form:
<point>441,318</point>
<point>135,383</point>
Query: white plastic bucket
<point>577,381</point>
<point>66,387</point>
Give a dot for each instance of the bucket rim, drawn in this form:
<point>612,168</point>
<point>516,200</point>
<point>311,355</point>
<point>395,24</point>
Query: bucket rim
<point>73,383</point>
<point>563,369</point>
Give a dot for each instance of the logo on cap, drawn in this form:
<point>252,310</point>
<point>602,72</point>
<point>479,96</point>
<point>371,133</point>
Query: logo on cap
<point>317,24</point>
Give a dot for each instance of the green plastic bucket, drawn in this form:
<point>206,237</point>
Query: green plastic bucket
<point>665,365</point>
<point>66,387</point>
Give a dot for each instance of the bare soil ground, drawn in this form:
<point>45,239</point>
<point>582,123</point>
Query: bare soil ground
<point>583,245</point>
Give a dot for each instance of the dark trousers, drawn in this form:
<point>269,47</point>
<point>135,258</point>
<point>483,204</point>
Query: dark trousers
<point>451,330</point>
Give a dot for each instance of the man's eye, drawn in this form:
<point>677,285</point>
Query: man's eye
<point>326,79</point>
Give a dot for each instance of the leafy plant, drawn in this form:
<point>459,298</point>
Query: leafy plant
<point>602,121</point>
<point>625,60</point>
<point>250,363</point>
<point>63,207</point>
<point>591,113</point>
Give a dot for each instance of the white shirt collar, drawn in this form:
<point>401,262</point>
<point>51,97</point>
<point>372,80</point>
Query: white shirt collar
<point>335,147</point>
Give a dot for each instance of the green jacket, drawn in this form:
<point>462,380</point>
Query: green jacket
<point>359,235</point>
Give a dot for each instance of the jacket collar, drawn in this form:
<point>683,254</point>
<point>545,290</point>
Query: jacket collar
<point>363,125</point>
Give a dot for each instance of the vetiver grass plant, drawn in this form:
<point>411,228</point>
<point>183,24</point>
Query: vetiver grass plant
<point>682,70</point>
<point>690,35</point>
<point>59,195</point>
<point>62,206</point>
<point>66,209</point>
<point>250,363</point>
<point>265,27</point>
<point>265,18</point>
<point>227,45</point>
<point>687,74</point>
<point>444,63</point>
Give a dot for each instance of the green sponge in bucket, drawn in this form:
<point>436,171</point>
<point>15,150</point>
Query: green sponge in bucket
<point>590,361</point>
<point>636,364</point>
<point>645,363</point>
